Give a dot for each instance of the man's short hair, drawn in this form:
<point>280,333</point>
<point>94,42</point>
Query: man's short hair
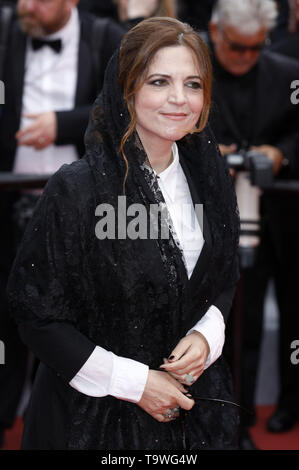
<point>246,16</point>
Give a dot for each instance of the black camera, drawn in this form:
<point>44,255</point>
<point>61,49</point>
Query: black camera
<point>254,171</point>
<point>259,166</point>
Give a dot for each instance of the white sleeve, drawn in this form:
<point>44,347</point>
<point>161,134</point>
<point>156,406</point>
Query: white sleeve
<point>212,327</point>
<point>105,373</point>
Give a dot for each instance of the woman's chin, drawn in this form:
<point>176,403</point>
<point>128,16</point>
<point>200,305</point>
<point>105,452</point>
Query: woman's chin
<point>178,134</point>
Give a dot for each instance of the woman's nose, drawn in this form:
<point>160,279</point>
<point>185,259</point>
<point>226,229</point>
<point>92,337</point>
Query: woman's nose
<point>177,95</point>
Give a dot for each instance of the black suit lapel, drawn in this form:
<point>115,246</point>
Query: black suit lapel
<point>266,109</point>
<point>81,69</point>
<point>226,116</point>
<point>19,43</point>
<point>205,254</point>
<point>85,92</point>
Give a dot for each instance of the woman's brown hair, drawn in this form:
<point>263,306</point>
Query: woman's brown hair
<point>138,49</point>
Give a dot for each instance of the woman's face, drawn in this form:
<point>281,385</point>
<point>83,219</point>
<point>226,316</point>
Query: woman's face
<point>170,101</point>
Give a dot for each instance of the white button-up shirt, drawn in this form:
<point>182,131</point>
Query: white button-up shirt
<point>50,82</point>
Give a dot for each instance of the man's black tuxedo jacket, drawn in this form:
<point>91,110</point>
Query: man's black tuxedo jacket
<point>288,46</point>
<point>275,119</point>
<point>71,124</point>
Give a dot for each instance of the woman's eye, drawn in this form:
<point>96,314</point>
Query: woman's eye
<point>194,85</point>
<point>159,82</point>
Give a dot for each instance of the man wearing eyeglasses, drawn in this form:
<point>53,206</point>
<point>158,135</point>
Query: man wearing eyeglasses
<point>237,52</point>
<point>253,110</point>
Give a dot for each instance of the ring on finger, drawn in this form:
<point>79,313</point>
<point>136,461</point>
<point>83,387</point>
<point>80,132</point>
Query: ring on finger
<point>169,414</point>
<point>189,379</point>
<point>172,412</point>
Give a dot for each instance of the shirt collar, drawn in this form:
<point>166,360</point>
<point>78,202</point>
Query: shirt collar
<point>172,168</point>
<point>168,177</point>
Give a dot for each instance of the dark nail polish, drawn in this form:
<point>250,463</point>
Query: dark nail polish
<point>171,358</point>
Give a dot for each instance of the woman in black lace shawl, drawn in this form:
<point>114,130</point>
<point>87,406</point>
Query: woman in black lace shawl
<point>104,289</point>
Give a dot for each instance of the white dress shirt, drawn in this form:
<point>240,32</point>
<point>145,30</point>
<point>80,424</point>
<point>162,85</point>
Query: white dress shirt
<point>105,373</point>
<point>49,85</point>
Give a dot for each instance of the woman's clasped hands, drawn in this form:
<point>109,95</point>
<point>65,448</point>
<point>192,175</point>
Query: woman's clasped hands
<point>165,391</point>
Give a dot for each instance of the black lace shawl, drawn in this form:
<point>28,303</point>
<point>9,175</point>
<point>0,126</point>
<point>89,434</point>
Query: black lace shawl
<point>132,297</point>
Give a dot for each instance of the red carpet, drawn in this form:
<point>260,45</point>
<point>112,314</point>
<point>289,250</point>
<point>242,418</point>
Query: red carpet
<point>263,439</point>
<point>12,437</point>
<point>273,441</point>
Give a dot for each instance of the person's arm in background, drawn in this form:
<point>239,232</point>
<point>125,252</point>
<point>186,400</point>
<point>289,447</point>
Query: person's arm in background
<point>286,156</point>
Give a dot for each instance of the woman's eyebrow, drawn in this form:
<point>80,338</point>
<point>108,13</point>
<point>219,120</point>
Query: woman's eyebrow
<point>169,76</point>
<point>159,75</point>
<point>194,77</point>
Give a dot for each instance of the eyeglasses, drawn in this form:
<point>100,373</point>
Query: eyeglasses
<point>197,399</point>
<point>241,48</point>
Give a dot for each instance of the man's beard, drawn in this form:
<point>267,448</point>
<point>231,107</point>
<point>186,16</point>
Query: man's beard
<point>32,29</point>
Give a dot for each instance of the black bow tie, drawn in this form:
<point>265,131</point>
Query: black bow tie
<point>38,43</point>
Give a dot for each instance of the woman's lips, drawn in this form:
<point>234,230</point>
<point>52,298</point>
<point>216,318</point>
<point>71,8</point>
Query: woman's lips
<point>175,116</point>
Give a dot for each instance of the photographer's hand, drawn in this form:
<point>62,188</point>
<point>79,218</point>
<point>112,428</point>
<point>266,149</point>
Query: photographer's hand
<point>225,150</point>
<point>273,153</point>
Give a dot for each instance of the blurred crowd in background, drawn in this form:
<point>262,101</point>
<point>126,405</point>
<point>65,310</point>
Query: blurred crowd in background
<point>53,55</point>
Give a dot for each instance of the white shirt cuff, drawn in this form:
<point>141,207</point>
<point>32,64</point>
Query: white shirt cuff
<point>128,379</point>
<point>212,327</point>
<point>105,373</point>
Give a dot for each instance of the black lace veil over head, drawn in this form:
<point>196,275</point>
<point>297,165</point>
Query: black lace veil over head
<point>109,120</point>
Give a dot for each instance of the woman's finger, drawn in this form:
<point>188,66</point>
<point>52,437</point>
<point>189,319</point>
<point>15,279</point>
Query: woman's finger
<point>195,372</point>
<point>178,377</point>
<point>185,364</point>
<point>180,350</point>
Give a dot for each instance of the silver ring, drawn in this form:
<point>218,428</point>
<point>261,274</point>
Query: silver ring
<point>189,379</point>
<point>169,414</point>
<point>172,413</point>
